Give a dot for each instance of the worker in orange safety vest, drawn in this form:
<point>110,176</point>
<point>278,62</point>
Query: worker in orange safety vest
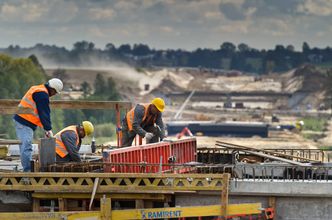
<point>37,100</point>
<point>68,141</point>
<point>144,120</point>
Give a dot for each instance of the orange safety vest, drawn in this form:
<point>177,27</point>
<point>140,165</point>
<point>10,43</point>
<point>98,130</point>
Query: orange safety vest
<point>28,102</point>
<point>60,148</point>
<point>146,117</point>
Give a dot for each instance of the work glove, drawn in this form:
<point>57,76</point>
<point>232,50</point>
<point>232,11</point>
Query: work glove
<point>148,136</point>
<point>48,134</point>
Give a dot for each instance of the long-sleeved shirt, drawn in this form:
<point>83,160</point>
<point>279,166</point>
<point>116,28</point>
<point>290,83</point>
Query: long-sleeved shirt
<point>138,127</point>
<point>42,101</point>
<point>69,139</point>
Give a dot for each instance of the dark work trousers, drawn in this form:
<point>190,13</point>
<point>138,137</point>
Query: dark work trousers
<point>128,136</point>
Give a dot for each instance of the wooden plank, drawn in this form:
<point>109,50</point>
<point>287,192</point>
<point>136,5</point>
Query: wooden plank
<point>6,141</point>
<point>95,186</point>
<point>14,110</point>
<point>35,205</point>
<point>139,204</point>
<point>10,105</point>
<point>62,204</point>
<point>234,146</point>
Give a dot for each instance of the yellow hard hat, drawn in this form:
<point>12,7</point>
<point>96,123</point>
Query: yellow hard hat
<point>159,103</point>
<point>88,127</point>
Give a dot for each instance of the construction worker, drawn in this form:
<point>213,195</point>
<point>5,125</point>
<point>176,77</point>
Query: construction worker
<point>36,99</point>
<point>69,139</point>
<point>144,120</point>
<point>299,125</point>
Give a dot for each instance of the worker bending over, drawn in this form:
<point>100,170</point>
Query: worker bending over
<point>36,99</point>
<point>69,139</point>
<point>144,120</point>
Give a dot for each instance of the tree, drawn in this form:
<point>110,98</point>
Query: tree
<point>110,47</point>
<point>86,88</point>
<point>16,77</point>
<point>305,47</point>
<point>290,48</point>
<point>124,49</point>
<point>141,49</point>
<point>100,85</point>
<point>84,46</point>
<point>60,74</point>
<point>111,92</point>
<point>243,47</point>
<point>228,47</point>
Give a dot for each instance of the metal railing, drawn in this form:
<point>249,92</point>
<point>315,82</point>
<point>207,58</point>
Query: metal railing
<point>281,172</point>
<point>223,155</point>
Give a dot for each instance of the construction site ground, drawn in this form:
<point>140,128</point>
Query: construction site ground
<point>131,84</point>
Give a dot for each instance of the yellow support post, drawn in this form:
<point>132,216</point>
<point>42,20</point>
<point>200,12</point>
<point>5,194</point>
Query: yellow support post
<point>224,195</point>
<point>105,209</point>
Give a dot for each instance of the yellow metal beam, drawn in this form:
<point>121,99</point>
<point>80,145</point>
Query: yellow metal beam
<point>110,182</point>
<point>158,213</point>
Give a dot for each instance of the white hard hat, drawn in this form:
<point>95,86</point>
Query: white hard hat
<point>56,84</point>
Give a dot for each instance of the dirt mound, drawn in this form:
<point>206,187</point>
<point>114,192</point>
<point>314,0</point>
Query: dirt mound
<point>167,86</point>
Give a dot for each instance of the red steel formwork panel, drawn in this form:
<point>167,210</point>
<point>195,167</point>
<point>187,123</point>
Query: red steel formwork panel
<point>156,153</point>
<point>122,155</point>
<point>183,151</point>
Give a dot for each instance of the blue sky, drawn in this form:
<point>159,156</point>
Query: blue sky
<point>185,24</point>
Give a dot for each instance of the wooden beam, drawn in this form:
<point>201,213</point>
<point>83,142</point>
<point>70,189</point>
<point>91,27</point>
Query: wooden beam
<point>4,141</point>
<point>10,106</point>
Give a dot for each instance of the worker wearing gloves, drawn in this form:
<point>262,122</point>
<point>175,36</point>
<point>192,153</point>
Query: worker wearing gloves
<point>144,120</point>
<point>36,99</point>
<point>68,141</point>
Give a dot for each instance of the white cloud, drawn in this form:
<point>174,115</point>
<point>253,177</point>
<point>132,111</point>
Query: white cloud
<point>37,11</point>
<point>276,28</point>
<point>97,32</point>
<point>316,7</point>
<point>101,13</point>
<point>238,27</point>
<point>33,12</point>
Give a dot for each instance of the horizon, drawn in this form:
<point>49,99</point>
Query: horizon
<point>153,48</point>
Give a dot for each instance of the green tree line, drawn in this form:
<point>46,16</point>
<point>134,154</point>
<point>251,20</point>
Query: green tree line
<point>228,56</point>
<point>17,75</point>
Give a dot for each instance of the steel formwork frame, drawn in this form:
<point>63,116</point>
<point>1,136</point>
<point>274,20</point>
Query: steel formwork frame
<point>172,152</point>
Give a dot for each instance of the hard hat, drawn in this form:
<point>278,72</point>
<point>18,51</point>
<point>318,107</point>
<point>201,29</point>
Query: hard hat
<point>88,127</point>
<point>56,84</point>
<point>159,103</point>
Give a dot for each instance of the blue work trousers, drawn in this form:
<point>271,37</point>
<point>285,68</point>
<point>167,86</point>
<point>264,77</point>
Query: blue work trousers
<point>25,135</point>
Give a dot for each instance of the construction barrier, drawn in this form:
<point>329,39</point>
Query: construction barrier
<point>173,152</point>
